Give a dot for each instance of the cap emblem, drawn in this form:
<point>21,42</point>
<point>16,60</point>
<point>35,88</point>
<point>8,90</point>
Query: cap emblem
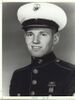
<point>36,7</point>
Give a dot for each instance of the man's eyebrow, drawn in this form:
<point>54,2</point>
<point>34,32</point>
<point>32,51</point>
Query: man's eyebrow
<point>29,31</point>
<point>43,32</point>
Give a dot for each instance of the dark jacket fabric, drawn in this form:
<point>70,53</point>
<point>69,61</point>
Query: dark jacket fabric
<point>43,77</point>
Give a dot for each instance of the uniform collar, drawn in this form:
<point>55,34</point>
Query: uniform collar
<point>47,58</point>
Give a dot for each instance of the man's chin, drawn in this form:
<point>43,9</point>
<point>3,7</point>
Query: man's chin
<point>36,54</point>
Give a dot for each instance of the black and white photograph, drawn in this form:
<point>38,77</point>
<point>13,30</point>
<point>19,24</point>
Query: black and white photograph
<point>38,49</point>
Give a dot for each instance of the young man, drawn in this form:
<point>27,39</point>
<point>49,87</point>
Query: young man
<point>46,75</point>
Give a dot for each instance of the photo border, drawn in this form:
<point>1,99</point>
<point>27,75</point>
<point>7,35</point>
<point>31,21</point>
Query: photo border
<point>27,97</point>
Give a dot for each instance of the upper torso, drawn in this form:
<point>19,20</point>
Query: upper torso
<point>44,77</point>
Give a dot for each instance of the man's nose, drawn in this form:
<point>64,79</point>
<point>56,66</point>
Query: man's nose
<point>36,40</point>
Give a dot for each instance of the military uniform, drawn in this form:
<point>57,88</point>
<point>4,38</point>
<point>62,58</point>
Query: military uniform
<point>43,77</point>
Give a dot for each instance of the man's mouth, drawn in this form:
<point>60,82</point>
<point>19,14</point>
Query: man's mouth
<point>36,48</point>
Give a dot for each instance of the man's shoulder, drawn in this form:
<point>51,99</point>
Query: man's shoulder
<point>65,65</point>
<point>22,69</point>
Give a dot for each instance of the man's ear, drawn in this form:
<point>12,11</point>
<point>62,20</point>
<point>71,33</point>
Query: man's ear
<point>24,35</point>
<point>56,37</point>
<point>25,32</point>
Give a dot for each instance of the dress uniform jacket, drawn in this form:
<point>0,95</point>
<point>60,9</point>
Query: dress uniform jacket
<point>43,77</point>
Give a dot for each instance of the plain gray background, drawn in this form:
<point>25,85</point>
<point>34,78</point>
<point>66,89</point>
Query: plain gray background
<point>15,53</point>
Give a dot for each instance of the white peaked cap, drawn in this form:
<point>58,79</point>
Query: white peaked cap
<point>46,11</point>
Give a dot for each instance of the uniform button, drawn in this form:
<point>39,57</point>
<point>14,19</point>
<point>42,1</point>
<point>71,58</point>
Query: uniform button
<point>35,71</point>
<point>73,94</point>
<point>40,61</point>
<point>32,93</point>
<point>34,82</point>
<point>50,94</point>
<point>57,60</point>
<point>18,94</point>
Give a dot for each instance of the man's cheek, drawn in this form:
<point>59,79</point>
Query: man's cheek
<point>28,42</point>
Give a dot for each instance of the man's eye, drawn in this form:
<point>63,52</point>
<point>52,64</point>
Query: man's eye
<point>43,34</point>
<point>29,33</point>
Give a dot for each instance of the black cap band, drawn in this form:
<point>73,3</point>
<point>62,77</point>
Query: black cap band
<point>38,23</point>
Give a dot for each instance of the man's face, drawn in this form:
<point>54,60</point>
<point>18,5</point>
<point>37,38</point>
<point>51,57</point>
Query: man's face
<point>39,41</point>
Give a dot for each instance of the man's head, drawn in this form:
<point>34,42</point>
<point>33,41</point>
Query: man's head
<point>40,41</point>
<point>41,22</point>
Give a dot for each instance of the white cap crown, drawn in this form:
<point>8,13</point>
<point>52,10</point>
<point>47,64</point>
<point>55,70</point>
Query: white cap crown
<point>42,11</point>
